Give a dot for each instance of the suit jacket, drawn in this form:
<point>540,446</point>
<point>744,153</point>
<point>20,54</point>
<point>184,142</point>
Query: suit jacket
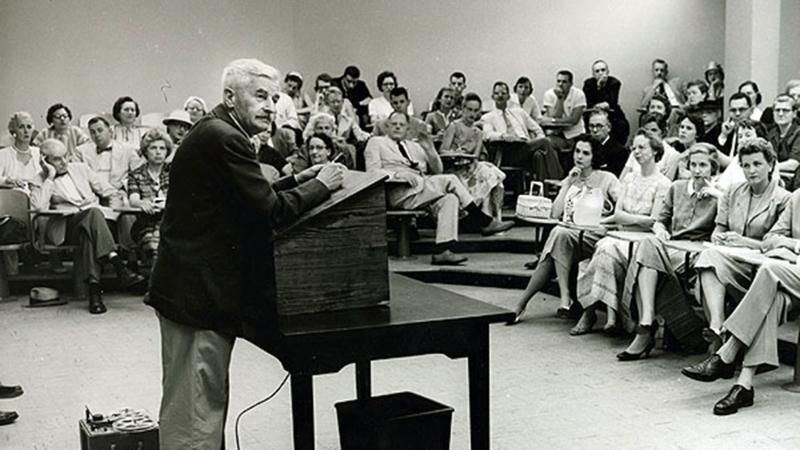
<point>615,155</point>
<point>732,214</point>
<point>609,93</point>
<point>124,158</point>
<point>46,194</point>
<point>788,224</point>
<point>788,146</point>
<point>215,267</point>
<point>383,155</point>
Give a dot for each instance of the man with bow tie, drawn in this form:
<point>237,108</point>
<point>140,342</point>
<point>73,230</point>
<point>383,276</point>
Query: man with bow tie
<point>109,159</point>
<point>418,183</point>
<point>74,187</point>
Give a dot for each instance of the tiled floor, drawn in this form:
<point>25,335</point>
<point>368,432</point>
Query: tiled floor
<point>549,390</point>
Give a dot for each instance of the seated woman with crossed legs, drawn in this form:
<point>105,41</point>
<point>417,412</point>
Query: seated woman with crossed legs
<point>753,325</point>
<point>483,180</point>
<point>564,244</point>
<point>640,201</point>
<point>651,283</point>
<point>744,216</point>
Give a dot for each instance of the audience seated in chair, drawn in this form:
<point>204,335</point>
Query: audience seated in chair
<point>346,128</point>
<point>739,108</point>
<point>651,283</point>
<point>785,134</point>
<point>19,162</point>
<point>711,113</point>
<point>690,128</point>
<point>59,118</point>
<point>614,154</point>
<point>147,189</point>
<point>752,328</point>
<point>602,93</point>
<point>483,180</point>
<point>522,139</point>
<point>566,246</point>
<point>416,130</point>
<point>733,173</point>
<point>440,116</point>
<point>662,85</point>
<point>178,123</point>
<point>74,187</point>
<point>380,107</point>
<point>668,161</point>
<point>323,123</point>
<point>355,90</point>
<point>196,107</point>
<point>458,83</point>
<point>750,89</point>
<point>563,114</point>
<point>293,87</point>
<point>125,111</point>
<point>523,98</point>
<point>641,200</point>
<point>109,159</point>
<point>715,77</point>
<point>417,170</point>
<point>745,215</point>
<point>285,112</point>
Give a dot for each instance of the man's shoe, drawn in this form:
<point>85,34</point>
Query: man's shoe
<point>10,391</point>
<point>96,305</point>
<point>709,369</point>
<point>738,397</point>
<point>496,226</point>
<point>447,258</point>
<point>132,281</point>
<point>7,417</point>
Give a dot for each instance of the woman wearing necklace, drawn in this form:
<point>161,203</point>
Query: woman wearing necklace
<point>640,202</point>
<point>59,118</point>
<point>147,187</point>
<point>560,252</point>
<point>745,214</point>
<point>19,163</point>
<point>125,111</point>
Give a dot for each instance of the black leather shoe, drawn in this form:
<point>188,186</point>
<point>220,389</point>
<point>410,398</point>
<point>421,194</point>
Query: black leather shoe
<point>132,281</point>
<point>447,258</point>
<point>738,397</point>
<point>496,226</point>
<point>714,340</point>
<point>96,305</point>
<point>650,331</point>
<point>709,369</point>
<point>10,391</point>
<point>7,417</point>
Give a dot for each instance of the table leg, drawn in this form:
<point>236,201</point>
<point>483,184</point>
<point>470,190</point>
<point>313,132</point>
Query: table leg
<point>479,389</point>
<point>363,380</point>
<point>794,386</point>
<point>498,156</point>
<point>303,411</point>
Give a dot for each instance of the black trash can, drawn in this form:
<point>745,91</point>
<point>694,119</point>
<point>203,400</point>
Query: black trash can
<point>400,421</point>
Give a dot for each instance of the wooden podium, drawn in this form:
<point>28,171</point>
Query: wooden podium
<point>334,257</point>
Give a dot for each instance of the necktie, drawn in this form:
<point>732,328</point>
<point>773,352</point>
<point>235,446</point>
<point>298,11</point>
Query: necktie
<point>411,163</point>
<point>509,125</point>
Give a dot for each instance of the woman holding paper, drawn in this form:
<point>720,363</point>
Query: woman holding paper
<point>745,214</point>
<point>560,252</point>
<point>688,214</point>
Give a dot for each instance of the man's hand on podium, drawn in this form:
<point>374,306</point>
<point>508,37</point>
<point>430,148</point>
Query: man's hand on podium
<point>331,175</point>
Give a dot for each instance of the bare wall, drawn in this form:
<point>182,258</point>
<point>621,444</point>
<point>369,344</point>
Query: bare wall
<point>86,53</point>
<point>423,41</point>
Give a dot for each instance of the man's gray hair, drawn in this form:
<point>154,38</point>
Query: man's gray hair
<point>53,147</point>
<point>240,72</point>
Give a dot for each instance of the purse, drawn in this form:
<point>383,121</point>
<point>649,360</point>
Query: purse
<point>534,206</point>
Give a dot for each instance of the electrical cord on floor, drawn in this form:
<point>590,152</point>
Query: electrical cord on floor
<point>258,403</point>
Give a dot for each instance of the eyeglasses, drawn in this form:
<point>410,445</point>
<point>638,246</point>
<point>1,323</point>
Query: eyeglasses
<point>596,126</point>
<point>61,117</point>
<point>782,110</point>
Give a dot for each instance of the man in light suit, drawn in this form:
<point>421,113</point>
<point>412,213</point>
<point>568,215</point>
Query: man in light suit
<point>75,187</point>
<point>109,159</point>
<point>417,171</point>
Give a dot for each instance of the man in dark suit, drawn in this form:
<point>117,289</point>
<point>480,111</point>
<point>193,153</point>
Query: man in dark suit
<point>615,154</point>
<point>356,91</point>
<point>214,274</point>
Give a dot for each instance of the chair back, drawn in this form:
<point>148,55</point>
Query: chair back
<point>14,203</point>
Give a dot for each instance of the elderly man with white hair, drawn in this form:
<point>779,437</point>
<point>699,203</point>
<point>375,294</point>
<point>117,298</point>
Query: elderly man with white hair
<point>73,186</point>
<point>214,273</point>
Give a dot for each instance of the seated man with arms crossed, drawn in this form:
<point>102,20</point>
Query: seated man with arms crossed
<point>512,128</point>
<point>419,169</point>
<point>65,185</point>
<point>563,110</point>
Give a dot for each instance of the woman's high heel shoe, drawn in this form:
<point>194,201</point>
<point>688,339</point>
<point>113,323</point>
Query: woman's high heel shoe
<point>642,330</point>
<point>518,316</point>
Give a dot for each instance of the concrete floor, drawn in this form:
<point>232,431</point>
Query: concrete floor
<point>549,390</point>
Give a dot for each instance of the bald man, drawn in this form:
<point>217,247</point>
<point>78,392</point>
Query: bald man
<point>73,186</point>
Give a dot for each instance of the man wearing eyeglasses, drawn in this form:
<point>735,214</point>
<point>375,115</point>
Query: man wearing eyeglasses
<point>739,107</point>
<point>614,153</point>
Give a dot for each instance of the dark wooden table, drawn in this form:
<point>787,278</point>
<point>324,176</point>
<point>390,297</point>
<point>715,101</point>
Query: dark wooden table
<point>421,319</point>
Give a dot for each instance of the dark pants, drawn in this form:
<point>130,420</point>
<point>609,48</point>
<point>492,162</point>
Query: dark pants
<point>537,157</point>
<point>89,231</point>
